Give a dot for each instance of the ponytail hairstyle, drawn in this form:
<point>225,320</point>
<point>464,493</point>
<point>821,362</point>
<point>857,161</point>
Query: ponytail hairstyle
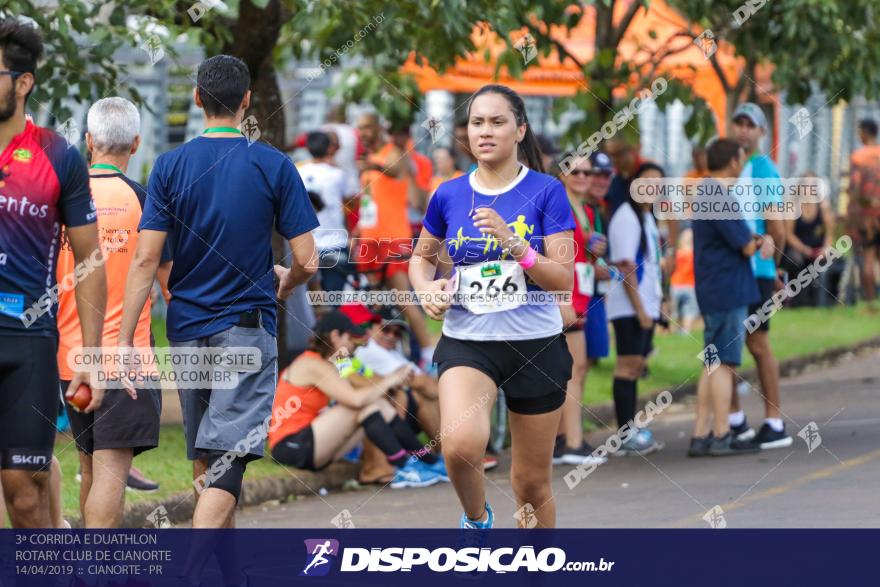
<point>637,206</point>
<point>528,151</point>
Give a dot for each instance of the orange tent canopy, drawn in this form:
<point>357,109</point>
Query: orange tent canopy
<point>549,77</point>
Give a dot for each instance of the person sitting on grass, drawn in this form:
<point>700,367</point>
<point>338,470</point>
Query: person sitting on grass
<point>308,433</point>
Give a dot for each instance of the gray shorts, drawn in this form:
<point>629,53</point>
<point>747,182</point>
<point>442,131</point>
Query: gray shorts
<point>218,421</point>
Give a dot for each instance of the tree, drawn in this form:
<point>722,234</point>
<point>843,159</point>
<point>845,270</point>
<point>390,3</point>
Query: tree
<point>829,45</point>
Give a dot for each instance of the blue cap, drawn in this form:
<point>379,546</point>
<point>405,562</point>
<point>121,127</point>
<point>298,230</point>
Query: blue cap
<point>601,162</point>
<point>753,112</point>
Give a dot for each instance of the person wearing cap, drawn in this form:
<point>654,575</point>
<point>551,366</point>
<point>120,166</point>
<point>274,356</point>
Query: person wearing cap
<point>596,328</point>
<point>382,354</point>
<point>749,128</point>
<point>571,448</point>
<point>379,355</point>
<point>308,433</point>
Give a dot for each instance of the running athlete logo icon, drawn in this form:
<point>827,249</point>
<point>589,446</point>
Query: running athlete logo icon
<point>318,551</point>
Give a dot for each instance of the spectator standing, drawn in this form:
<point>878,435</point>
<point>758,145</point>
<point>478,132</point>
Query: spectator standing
<point>808,237</point>
<point>571,448</point>
<point>385,242</point>
<point>444,168</point>
<point>749,126</point>
<point>596,331</point>
<point>685,309</point>
<point>863,211</point>
<point>328,182</point>
<point>634,306</point>
<point>725,287</point>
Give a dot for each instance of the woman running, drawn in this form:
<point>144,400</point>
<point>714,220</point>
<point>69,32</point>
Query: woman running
<point>507,228</point>
<point>307,434</point>
<point>633,306</point>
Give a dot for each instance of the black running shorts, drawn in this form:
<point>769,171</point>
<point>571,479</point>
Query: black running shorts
<point>532,373</point>
<point>28,401</point>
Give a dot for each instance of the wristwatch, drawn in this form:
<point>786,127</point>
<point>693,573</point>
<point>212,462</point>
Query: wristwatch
<point>514,242</point>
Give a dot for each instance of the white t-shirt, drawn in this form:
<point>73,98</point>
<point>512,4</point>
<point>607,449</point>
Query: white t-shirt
<point>328,182</point>
<point>346,156</point>
<point>623,244</point>
<point>382,360</point>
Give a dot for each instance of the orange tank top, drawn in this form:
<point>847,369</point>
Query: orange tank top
<point>119,212</point>
<point>310,400</point>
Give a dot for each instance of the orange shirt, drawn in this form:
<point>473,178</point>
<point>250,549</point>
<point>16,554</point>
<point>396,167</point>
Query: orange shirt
<point>683,276</point>
<point>391,197</point>
<point>312,401</point>
<point>118,202</point>
<point>424,170</point>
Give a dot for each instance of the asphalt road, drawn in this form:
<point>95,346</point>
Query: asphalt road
<point>834,485</point>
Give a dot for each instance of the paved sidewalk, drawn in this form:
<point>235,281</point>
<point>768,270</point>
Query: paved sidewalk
<point>834,486</point>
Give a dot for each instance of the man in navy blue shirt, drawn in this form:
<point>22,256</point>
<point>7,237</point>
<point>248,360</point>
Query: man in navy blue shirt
<point>725,287</point>
<point>217,199</point>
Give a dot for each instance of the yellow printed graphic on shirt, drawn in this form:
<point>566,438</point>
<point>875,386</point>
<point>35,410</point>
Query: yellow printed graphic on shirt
<point>519,227</point>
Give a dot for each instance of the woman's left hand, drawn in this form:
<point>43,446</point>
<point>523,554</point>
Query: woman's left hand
<point>490,222</point>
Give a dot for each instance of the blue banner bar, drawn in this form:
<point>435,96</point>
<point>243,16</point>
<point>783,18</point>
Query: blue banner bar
<point>420,558</point>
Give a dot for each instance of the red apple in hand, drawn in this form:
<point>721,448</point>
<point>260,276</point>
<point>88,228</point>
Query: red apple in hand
<point>82,398</point>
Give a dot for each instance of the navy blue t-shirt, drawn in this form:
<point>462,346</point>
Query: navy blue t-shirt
<point>723,276</point>
<point>219,200</point>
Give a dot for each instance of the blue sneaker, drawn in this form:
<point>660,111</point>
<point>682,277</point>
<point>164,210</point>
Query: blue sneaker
<point>414,474</point>
<point>468,524</point>
<point>641,444</point>
<point>440,468</point>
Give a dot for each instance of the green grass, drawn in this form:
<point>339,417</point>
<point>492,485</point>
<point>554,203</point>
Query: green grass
<point>794,332</point>
<point>166,464</point>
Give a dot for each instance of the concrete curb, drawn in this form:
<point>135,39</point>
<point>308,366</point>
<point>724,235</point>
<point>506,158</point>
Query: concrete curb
<point>787,368</point>
<point>179,507</point>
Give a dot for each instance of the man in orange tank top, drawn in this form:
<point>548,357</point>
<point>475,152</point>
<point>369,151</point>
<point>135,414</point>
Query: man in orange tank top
<point>384,245</point>
<point>110,437</point>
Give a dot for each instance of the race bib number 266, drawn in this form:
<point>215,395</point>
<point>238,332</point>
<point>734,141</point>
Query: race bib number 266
<point>493,286</point>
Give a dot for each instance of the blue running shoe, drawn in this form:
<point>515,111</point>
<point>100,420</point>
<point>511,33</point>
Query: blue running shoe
<point>641,444</point>
<point>468,524</point>
<point>414,473</point>
<point>440,468</point>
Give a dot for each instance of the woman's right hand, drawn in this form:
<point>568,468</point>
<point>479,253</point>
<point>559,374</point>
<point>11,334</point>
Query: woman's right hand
<point>645,321</point>
<point>436,299</point>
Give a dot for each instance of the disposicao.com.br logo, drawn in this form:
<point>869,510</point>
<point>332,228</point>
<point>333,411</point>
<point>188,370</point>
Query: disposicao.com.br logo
<point>442,560</point>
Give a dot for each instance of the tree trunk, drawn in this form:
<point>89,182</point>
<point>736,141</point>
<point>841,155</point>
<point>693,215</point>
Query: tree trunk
<point>254,38</point>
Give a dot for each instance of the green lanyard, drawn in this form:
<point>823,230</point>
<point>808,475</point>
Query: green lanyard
<point>597,226</point>
<point>216,129</point>
<point>107,166</point>
<point>582,218</point>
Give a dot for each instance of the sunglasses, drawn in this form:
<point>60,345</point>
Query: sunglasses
<point>584,172</point>
<point>12,74</point>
